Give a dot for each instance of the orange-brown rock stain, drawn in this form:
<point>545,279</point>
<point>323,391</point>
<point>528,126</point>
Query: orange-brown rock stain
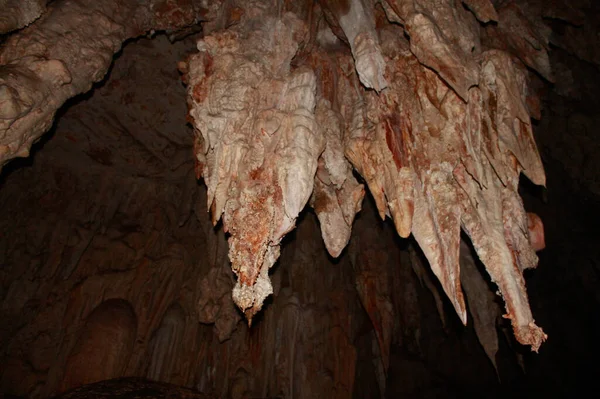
<point>200,90</point>
<point>252,234</point>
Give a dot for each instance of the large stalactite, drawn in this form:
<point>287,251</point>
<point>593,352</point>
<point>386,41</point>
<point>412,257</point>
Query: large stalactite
<point>432,115</point>
<point>428,101</point>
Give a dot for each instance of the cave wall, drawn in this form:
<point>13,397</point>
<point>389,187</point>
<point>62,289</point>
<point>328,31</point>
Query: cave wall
<point>106,212</point>
<point>112,268</point>
<point>115,215</point>
<point>110,212</point>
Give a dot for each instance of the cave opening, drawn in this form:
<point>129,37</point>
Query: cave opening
<point>185,167</point>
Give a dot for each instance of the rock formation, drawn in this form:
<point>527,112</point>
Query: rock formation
<point>67,50</point>
<point>423,106</point>
<point>17,14</point>
<point>441,146</point>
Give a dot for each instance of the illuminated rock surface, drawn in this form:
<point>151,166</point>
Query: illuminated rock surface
<point>441,146</point>
<point>134,245</point>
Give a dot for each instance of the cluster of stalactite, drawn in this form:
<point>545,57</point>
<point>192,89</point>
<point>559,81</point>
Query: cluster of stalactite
<point>427,100</point>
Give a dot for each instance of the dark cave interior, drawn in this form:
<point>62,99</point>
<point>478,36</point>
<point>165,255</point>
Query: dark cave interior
<point>111,267</point>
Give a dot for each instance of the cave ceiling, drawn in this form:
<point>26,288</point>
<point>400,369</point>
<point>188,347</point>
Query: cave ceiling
<point>425,104</point>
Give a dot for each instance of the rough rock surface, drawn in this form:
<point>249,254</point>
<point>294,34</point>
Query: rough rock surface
<point>66,51</point>
<point>111,268</point>
<point>131,388</point>
<point>441,141</point>
<point>17,14</point>
<point>119,246</point>
<point>257,143</point>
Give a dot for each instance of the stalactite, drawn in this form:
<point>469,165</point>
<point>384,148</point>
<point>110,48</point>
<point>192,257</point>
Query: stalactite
<point>427,152</point>
<point>337,196</point>
<point>482,305</point>
<point>357,22</point>
<point>258,141</point>
<point>441,141</point>
<point>425,99</point>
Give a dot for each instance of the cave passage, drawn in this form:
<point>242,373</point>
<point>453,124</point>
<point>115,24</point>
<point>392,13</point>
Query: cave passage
<point>269,198</point>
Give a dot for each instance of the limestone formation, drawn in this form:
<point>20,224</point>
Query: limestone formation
<point>17,14</point>
<point>64,53</point>
<point>441,141</point>
<point>423,106</point>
